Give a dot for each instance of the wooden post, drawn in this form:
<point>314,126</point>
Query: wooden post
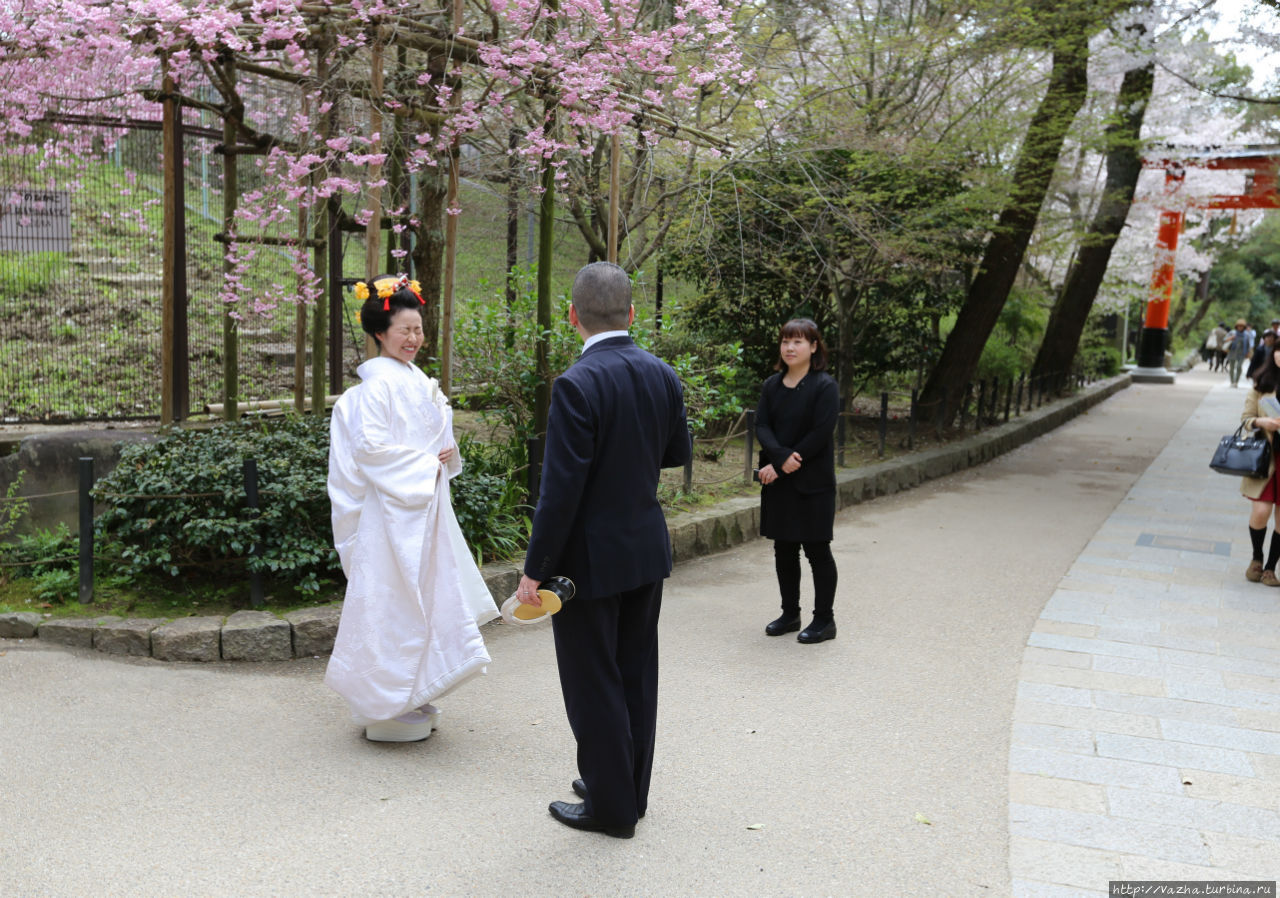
<point>373,230</point>
<point>450,236</point>
<point>230,196</point>
<point>322,234</point>
<point>513,235</point>
<point>300,320</point>
<point>542,351</point>
<point>335,296</point>
<point>171,163</point>
<point>615,191</point>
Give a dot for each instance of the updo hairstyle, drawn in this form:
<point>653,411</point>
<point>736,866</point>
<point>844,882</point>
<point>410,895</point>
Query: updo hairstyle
<point>390,294</point>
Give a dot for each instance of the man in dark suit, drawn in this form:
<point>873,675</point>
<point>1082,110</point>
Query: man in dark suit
<point>617,417</point>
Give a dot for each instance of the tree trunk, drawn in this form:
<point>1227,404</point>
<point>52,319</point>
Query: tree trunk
<point>428,255</point>
<point>1124,165</point>
<point>428,245</point>
<point>1202,305</point>
<point>1033,172</point>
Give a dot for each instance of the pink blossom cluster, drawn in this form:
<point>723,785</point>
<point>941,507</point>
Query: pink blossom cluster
<point>601,65</point>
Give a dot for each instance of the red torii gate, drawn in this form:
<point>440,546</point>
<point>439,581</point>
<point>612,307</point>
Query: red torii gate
<point>1262,165</point>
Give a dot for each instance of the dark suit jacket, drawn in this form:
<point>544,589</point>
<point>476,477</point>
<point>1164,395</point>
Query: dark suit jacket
<point>617,416</point>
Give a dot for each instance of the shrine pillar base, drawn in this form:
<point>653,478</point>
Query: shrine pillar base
<point>1151,369</point>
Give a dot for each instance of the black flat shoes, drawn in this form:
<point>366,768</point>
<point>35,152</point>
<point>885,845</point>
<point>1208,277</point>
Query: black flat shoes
<point>788,623</point>
<point>818,631</point>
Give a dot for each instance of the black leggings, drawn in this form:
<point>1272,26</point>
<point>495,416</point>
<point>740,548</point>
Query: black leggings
<point>786,561</point>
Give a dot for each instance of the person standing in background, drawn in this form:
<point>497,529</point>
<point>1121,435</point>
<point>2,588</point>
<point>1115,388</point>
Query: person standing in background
<point>795,422</point>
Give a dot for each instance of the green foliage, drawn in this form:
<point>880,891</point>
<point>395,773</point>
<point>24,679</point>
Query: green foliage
<point>57,586</point>
<point>497,347</point>
<point>1010,350</point>
<point>488,498</point>
<point>178,504</point>
<point>717,385</point>
<point>870,245</point>
<point>35,555</point>
<point>29,276</point>
<point>14,508</point>
<point>1002,360</point>
<point>1100,361</point>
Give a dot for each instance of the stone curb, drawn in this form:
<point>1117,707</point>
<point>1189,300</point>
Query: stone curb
<point>308,632</point>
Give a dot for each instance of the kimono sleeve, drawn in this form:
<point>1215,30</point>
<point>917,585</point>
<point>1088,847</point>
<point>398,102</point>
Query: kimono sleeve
<point>403,475</point>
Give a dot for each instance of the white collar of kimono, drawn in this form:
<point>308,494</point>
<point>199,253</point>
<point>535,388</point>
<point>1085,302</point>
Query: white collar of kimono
<point>603,335</point>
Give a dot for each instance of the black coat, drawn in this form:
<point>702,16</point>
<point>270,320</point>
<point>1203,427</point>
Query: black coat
<point>801,506</point>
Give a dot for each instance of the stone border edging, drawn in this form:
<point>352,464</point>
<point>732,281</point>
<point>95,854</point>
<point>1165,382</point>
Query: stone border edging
<point>308,632</point>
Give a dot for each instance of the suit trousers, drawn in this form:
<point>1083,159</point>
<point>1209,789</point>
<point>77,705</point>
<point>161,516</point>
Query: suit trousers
<point>607,655</point>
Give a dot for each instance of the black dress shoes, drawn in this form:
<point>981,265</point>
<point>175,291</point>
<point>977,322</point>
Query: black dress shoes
<point>818,631</point>
<point>788,623</point>
<point>580,790</point>
<point>573,816</point>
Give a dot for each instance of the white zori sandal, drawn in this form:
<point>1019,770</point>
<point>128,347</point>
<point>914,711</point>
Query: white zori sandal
<point>412,727</point>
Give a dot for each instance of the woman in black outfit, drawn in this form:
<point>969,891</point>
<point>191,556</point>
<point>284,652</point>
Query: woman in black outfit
<point>794,423</point>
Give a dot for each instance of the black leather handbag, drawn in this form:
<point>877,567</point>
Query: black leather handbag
<point>1243,456</point>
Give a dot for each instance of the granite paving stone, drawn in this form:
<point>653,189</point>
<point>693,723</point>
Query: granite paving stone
<point>1175,843</point>
<point>1058,738</point>
<point>1103,771</point>
<point>1069,865</point>
<point>1093,646</point>
<point>1209,816</point>
<point>1028,888</point>
<point>1174,754</point>
<point>1051,792</point>
<point>1222,736</point>
<point>1091,719</point>
<point>1065,628</point>
<point>1232,698</point>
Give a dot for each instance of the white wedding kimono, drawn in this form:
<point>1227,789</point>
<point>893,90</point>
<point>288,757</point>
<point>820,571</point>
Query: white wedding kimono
<point>410,627</point>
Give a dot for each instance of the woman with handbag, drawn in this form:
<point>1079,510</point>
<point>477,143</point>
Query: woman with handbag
<point>1262,491</point>
<point>795,421</point>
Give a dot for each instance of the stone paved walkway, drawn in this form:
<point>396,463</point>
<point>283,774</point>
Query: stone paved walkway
<point>1146,732</point>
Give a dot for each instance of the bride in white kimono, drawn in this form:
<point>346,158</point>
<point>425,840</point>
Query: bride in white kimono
<point>410,626</point>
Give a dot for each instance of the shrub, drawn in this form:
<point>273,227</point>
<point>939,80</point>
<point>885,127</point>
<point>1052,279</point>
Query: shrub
<point>1101,361</point>
<point>179,503</point>
<point>487,498</point>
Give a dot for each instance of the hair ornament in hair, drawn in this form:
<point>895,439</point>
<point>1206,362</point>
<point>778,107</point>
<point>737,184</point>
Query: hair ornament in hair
<point>361,291</point>
<point>386,287</point>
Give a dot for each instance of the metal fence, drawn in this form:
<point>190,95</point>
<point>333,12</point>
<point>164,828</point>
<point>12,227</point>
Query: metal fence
<point>81,278</point>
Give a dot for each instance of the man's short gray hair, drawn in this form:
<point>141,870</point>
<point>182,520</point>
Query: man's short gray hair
<point>602,297</point>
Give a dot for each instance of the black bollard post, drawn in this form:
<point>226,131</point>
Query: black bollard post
<point>1008,398</point>
<point>688,470</point>
<point>964,406</point>
<point>86,531</point>
<point>982,405</point>
<point>884,420</point>
<point>1017,406</point>
<point>747,466</point>
<point>533,451</point>
<point>842,424</point>
<point>251,501</point>
<point>911,420</point>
